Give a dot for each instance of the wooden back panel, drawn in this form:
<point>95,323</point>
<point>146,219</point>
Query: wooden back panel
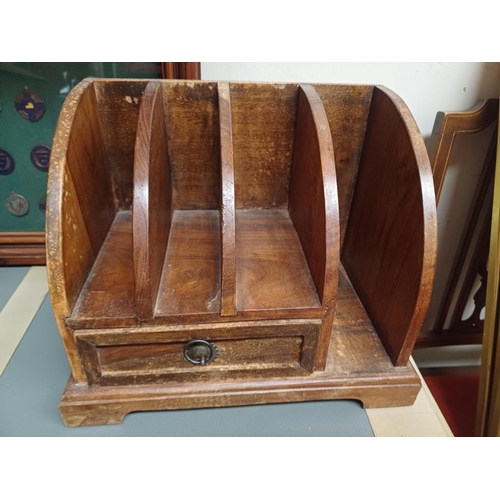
<point>346,108</point>
<point>192,120</point>
<point>263,130</point>
<point>314,205</point>
<point>88,166</point>
<point>119,102</point>
<point>152,207</point>
<point>227,209</point>
<point>390,244</point>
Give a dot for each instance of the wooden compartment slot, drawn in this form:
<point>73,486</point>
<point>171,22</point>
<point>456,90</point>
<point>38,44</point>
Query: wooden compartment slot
<point>190,283</point>
<point>273,274</point>
<point>210,217</point>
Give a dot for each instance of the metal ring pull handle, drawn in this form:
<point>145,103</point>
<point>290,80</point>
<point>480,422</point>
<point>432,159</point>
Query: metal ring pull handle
<point>200,352</point>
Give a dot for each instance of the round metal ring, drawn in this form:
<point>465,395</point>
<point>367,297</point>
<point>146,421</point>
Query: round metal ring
<point>199,352</point>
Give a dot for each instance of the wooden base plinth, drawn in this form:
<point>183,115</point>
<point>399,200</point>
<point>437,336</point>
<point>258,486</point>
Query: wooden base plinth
<point>357,368</point>
<point>82,406</point>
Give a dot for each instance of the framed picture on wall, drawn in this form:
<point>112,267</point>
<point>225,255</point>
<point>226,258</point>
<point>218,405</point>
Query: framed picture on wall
<point>31,96</point>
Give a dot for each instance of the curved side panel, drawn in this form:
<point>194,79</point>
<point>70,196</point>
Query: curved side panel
<point>152,212</point>
<point>391,241</point>
<point>80,207</point>
<point>313,205</point>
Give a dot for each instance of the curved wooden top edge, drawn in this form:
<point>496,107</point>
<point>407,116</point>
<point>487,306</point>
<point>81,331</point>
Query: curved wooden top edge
<point>479,116</point>
<point>152,92</point>
<point>428,206</point>
<point>449,124</point>
<point>54,213</point>
<point>141,198</point>
<point>327,156</point>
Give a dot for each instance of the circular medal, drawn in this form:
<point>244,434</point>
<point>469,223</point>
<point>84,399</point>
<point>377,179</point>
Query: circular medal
<point>40,157</point>
<point>29,105</point>
<point>17,205</point>
<point>7,163</point>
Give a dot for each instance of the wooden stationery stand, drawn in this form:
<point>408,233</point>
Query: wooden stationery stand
<point>194,240</point>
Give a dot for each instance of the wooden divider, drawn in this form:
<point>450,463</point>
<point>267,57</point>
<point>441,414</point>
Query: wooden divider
<point>313,205</point>
<point>390,246</point>
<point>152,205</point>
<point>227,210</point>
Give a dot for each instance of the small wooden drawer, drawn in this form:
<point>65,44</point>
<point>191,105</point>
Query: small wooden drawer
<point>110,361</point>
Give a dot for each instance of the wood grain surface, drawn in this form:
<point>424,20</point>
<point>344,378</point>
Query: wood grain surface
<point>119,103</point>
<point>192,119</point>
<point>152,208</point>
<point>390,246</point>
<point>271,270</point>
<point>190,282</point>
<point>450,124</point>
<point>358,367</point>
<point>313,205</point>
<point>263,131</point>
<point>228,210</point>
<point>346,107</point>
<point>225,223</point>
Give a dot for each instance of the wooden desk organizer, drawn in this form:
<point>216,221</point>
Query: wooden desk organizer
<point>194,235</point>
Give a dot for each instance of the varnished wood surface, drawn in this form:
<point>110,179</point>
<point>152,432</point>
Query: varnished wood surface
<point>488,404</point>
<point>181,70</point>
<point>236,153</point>
<point>22,249</point>
<point>87,165</point>
<point>119,103</point>
<point>346,108</point>
<point>147,362</point>
<point>483,197</point>
<point>357,368</point>
<point>70,254</point>
<point>151,334</point>
<point>390,245</point>
<point>192,120</point>
<point>110,287</point>
<point>448,125</point>
<point>152,208</point>
<point>190,282</point>
<point>271,270</point>
<point>313,204</point>
<point>263,131</point>
<point>228,210</point>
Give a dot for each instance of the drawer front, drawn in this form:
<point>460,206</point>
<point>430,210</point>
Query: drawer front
<point>229,354</point>
<point>151,355</point>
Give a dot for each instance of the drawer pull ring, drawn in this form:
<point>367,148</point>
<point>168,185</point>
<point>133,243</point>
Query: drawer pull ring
<point>200,352</point>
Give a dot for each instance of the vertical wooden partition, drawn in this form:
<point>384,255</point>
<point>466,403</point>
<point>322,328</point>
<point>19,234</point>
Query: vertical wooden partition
<point>152,206</point>
<point>228,212</point>
<point>313,205</point>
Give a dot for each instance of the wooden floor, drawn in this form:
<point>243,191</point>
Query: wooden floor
<point>23,290</point>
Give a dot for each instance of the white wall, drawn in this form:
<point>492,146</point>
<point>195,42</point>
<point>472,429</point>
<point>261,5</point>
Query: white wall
<point>426,88</point>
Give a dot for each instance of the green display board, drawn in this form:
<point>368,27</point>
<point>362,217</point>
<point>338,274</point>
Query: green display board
<point>50,83</point>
